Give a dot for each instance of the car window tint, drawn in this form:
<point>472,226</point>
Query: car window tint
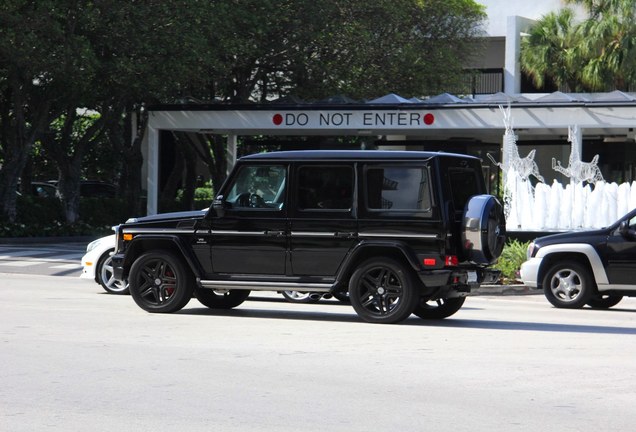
<point>463,184</point>
<point>258,186</point>
<point>323,187</point>
<point>398,189</point>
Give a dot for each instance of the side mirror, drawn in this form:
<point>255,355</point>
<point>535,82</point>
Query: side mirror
<point>624,230</point>
<point>219,206</point>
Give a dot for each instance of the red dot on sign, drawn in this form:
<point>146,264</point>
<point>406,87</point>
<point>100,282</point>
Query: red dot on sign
<point>429,119</point>
<point>277,119</point>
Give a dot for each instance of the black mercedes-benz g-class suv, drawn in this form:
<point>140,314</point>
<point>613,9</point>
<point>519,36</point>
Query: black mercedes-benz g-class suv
<point>401,231</point>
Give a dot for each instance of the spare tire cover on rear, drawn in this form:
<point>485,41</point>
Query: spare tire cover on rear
<point>483,229</point>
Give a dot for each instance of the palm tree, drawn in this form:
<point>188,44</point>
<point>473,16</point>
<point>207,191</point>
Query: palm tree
<point>549,54</point>
<point>608,37</point>
<point>597,54</point>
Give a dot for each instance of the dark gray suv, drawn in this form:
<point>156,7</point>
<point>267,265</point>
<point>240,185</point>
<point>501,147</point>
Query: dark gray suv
<point>400,232</point>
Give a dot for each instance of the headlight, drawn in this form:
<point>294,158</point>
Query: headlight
<point>532,249</point>
<point>92,245</point>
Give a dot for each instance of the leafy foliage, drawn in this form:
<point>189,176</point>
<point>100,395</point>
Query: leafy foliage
<point>513,255</point>
<point>77,75</point>
<point>596,54</point>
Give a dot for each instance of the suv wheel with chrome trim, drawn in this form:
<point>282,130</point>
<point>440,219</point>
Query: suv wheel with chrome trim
<point>568,285</point>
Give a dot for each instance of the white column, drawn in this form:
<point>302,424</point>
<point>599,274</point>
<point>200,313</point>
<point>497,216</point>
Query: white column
<point>512,70</point>
<point>232,140</point>
<point>152,178</point>
<point>578,132</point>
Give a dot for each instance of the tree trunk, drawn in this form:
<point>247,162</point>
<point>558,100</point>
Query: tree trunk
<point>133,160</point>
<point>18,136</point>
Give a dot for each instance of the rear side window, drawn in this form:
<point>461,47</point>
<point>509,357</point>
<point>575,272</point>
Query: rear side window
<point>463,184</point>
<point>323,187</point>
<point>399,189</point>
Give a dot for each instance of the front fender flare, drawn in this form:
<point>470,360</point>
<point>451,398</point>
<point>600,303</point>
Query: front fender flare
<point>600,276</point>
<point>136,247</point>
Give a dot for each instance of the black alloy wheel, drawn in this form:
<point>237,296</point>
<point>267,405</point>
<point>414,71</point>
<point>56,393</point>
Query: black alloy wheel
<point>221,299</point>
<point>160,282</point>
<point>383,290</point>
<point>438,309</point>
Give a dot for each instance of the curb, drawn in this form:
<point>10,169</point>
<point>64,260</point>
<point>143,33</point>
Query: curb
<point>505,290</point>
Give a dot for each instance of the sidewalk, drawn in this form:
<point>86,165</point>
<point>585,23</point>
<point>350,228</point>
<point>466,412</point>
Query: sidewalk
<point>505,290</point>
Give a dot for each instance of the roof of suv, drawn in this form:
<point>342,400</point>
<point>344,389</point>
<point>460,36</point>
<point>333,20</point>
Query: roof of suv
<point>353,155</point>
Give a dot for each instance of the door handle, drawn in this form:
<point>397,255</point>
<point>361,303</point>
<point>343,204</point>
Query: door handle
<point>344,234</point>
<point>275,233</point>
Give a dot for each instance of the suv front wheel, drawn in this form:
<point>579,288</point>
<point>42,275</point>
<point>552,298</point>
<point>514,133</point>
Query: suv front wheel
<point>568,285</point>
<point>383,290</point>
<point>160,282</point>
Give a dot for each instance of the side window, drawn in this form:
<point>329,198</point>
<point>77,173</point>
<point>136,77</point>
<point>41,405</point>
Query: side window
<point>463,185</point>
<point>325,187</point>
<point>399,189</point>
<point>259,187</point>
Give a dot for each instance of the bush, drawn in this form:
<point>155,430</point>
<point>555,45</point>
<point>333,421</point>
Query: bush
<point>513,255</point>
<point>44,217</point>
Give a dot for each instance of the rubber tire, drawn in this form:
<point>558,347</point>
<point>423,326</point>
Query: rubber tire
<point>228,300</point>
<point>443,309</point>
<point>153,266</point>
<point>301,297</point>
<point>101,272</point>
<point>600,301</point>
<point>579,275</point>
<point>373,307</point>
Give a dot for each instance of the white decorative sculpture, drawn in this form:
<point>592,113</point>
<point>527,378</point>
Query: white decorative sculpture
<point>577,170</point>
<point>523,167</point>
<point>555,207</point>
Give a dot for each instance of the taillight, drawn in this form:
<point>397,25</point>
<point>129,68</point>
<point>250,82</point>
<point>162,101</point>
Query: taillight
<point>451,261</point>
<point>429,262</point>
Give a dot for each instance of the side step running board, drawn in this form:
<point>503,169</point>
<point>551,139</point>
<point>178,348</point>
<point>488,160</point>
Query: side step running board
<point>266,286</point>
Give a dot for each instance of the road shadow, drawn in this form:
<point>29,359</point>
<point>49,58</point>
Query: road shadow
<point>244,311</point>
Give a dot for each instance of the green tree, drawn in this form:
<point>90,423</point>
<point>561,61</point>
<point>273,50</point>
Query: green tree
<point>360,48</point>
<point>60,58</point>
<point>35,76</point>
<point>551,52</point>
<point>608,37</point>
<point>596,54</point>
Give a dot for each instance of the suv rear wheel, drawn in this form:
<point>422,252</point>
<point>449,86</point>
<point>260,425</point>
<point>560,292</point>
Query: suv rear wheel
<point>160,282</point>
<point>568,285</point>
<point>383,290</point>
<point>438,309</point>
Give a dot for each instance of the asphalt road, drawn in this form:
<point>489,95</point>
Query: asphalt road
<point>52,259</point>
<point>74,358</point>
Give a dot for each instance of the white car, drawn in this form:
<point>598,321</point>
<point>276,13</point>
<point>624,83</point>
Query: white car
<point>97,265</point>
